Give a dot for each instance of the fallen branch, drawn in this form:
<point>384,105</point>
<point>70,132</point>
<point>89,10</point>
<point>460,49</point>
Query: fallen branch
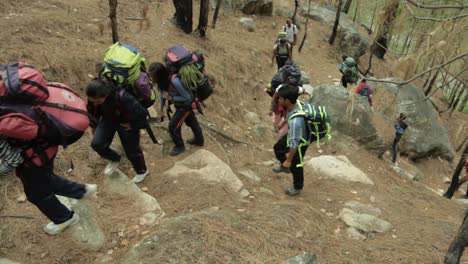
<point>220,146</point>
<point>217,131</point>
<point>17,216</point>
<point>135,18</point>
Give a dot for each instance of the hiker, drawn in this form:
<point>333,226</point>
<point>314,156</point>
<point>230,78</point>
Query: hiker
<point>291,31</point>
<point>400,127</point>
<point>290,149</point>
<point>364,89</point>
<point>117,111</point>
<point>282,52</point>
<point>290,74</point>
<point>159,75</point>
<point>348,67</point>
<point>183,101</point>
<point>30,139</point>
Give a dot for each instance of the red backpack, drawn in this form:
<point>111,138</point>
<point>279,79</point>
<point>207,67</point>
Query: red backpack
<point>31,109</point>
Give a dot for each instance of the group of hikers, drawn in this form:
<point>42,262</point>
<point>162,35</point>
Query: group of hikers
<point>37,116</point>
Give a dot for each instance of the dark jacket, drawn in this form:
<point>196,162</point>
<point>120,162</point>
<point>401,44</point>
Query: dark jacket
<point>120,107</point>
<point>181,97</point>
<point>400,127</point>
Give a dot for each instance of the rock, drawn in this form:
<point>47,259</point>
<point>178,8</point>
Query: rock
<point>447,180</point>
<point>349,41</point>
<point>262,131</point>
<point>338,167</point>
<point>87,231</point>
<point>250,175</point>
<point>258,7</point>
<point>252,118</point>
<point>305,77</point>
<point>364,222</point>
<point>227,6</point>
<point>308,89</point>
<point>247,23</point>
<point>425,136</point>
<point>355,234</point>
<point>360,126</point>
<point>204,165</point>
<point>266,191</point>
<point>361,208</point>
<point>306,258</point>
<point>7,261</point>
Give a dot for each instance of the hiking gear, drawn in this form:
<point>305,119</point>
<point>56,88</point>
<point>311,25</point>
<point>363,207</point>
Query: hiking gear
<point>90,190</point>
<point>349,69</point>
<point>140,177</point>
<point>32,108</point>
<point>297,166</point>
<point>10,157</point>
<point>282,51</point>
<point>282,35</point>
<point>111,167</point>
<point>280,168</point>
<point>189,67</point>
<point>54,229</point>
<point>195,142</point>
<point>177,150</point>
<point>291,75</point>
<point>291,191</point>
<point>126,67</point>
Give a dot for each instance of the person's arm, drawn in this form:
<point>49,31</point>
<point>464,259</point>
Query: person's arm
<point>295,34</point>
<point>273,54</point>
<point>340,67</point>
<point>290,51</point>
<point>10,157</point>
<point>136,113</point>
<point>294,135</point>
<point>184,96</point>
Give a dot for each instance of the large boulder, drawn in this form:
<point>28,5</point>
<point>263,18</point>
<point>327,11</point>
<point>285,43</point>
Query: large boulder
<point>206,166</point>
<point>258,7</point>
<point>360,126</point>
<point>339,168</point>
<point>248,23</point>
<point>349,41</point>
<point>425,136</point>
<point>364,222</point>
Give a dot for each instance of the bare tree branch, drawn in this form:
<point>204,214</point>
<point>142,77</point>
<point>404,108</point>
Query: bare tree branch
<point>419,5</point>
<point>431,18</point>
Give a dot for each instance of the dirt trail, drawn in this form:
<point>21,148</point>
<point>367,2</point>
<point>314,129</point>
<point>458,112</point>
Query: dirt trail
<point>63,39</point>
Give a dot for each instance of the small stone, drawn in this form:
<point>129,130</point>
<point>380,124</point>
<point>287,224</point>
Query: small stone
<point>136,227</point>
<point>145,189</point>
<point>337,231</point>
<point>145,232</point>
<point>329,200</point>
<point>268,163</point>
<point>320,151</point>
<point>252,197</point>
<point>241,210</point>
<point>372,199</point>
<point>323,210</point>
<point>124,243</point>
<point>329,76</point>
<point>121,234</point>
<point>394,236</point>
<point>21,198</point>
<point>110,251</point>
<point>353,192</point>
<point>447,180</point>
<point>44,254</point>
<point>90,76</point>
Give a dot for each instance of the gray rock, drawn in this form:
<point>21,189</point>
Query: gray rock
<point>250,175</point>
<point>338,167</point>
<point>309,89</point>
<point>204,165</point>
<point>7,261</point>
<point>349,41</point>
<point>258,7</point>
<point>425,136</point>
<point>87,231</point>
<point>252,118</point>
<point>360,126</point>
<point>227,6</point>
<point>303,259</point>
<point>364,222</point>
<point>266,191</point>
<point>355,234</point>
<point>305,77</point>
<point>247,23</point>
<point>361,208</point>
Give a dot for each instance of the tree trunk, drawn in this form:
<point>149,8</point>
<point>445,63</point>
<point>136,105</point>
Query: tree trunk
<point>384,36</point>
<point>296,6</point>
<point>113,19</point>
<point>347,5</point>
<point>337,22</point>
<point>184,15</point>
<point>373,18</point>
<point>215,15</point>
<point>356,10</point>
<point>453,94</point>
<point>305,30</point>
<point>408,39</point>
<point>431,83</point>
<point>203,18</point>
<point>455,178</point>
<point>457,100</point>
<point>458,244</point>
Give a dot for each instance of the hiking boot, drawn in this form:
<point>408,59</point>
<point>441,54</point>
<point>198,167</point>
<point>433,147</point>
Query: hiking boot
<point>139,177</point>
<point>53,229</point>
<point>195,142</point>
<point>111,167</point>
<point>90,190</point>
<point>177,150</point>
<point>291,191</point>
<point>280,168</point>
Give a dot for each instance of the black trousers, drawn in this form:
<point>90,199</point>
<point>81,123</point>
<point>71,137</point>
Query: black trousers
<point>187,116</point>
<point>280,61</point>
<point>344,82</point>
<point>396,140</point>
<point>40,186</point>
<point>130,139</point>
<point>281,149</point>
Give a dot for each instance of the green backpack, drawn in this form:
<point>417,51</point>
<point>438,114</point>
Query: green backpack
<point>350,70</point>
<point>123,64</point>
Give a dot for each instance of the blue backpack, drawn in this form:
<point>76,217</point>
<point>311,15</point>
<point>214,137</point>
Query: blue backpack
<point>365,91</point>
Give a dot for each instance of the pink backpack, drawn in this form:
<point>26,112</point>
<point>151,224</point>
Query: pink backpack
<point>31,109</point>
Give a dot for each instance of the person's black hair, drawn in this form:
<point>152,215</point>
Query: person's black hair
<point>161,73</point>
<point>344,57</point>
<point>402,116</point>
<point>363,80</point>
<point>99,88</point>
<point>289,92</point>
